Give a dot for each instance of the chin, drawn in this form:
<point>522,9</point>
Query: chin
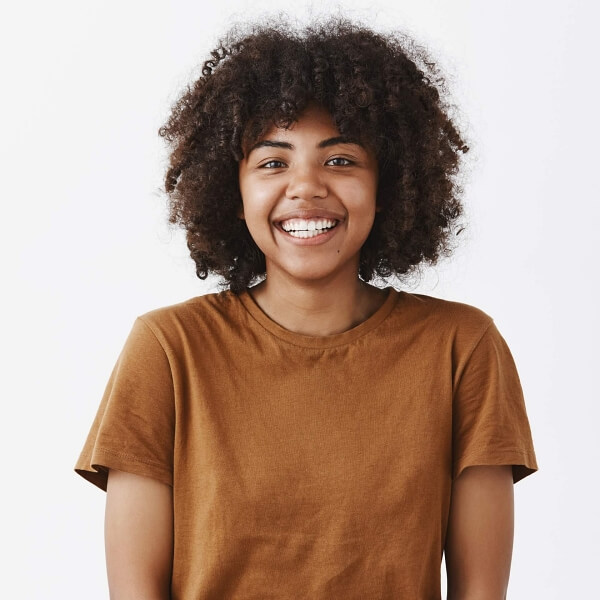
<point>312,269</point>
<point>317,273</point>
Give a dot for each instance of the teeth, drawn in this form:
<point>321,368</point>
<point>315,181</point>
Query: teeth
<point>296,226</point>
<point>307,234</point>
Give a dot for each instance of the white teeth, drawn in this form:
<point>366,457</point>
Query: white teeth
<point>306,234</point>
<point>312,226</point>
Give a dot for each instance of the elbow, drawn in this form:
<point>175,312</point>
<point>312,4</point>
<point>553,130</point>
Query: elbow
<point>476,594</point>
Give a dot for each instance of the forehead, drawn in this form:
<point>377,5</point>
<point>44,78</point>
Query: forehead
<point>314,126</point>
<point>315,120</point>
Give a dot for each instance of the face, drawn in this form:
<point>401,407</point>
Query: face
<point>309,198</point>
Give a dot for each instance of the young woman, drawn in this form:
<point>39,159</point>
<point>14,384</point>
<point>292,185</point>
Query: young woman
<point>303,433</point>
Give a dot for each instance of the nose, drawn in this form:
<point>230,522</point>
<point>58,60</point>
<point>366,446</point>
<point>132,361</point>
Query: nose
<point>306,184</point>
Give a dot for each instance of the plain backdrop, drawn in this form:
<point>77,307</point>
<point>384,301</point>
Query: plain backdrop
<point>85,247</point>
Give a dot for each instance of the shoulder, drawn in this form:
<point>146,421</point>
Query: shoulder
<point>447,313</point>
<point>201,316</point>
<point>202,307</point>
<point>441,326</point>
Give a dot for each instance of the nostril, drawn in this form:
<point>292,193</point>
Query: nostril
<point>306,190</point>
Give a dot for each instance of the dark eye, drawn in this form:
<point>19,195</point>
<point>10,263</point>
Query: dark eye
<point>273,164</point>
<point>339,161</point>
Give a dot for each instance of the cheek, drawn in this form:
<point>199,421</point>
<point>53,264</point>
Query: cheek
<point>360,198</point>
<point>257,209</point>
<point>254,200</point>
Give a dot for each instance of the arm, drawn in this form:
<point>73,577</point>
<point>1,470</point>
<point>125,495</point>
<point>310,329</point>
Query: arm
<point>479,539</point>
<point>138,530</point>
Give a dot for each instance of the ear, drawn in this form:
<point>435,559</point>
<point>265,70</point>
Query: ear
<point>240,213</point>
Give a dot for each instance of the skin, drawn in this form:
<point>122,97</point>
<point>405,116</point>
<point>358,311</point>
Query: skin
<point>312,289</point>
<point>479,537</point>
<point>138,532</point>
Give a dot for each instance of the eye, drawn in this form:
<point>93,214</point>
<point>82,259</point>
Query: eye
<point>339,161</point>
<point>273,164</point>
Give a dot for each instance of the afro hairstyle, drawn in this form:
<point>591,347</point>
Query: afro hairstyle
<point>381,89</point>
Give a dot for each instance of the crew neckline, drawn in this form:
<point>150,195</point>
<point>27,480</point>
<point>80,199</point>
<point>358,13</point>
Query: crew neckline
<point>326,341</point>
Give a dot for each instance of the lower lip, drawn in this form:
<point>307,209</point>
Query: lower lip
<point>316,240</point>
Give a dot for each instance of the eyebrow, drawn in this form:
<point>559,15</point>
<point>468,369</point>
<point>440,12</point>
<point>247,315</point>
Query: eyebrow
<point>340,139</point>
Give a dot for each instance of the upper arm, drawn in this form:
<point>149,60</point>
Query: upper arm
<point>138,537</point>
<point>480,531</point>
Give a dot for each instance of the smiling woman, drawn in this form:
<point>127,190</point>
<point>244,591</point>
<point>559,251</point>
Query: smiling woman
<point>311,435</point>
<point>309,201</point>
<point>376,89</point>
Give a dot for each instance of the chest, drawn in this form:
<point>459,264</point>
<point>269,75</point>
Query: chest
<point>291,436</point>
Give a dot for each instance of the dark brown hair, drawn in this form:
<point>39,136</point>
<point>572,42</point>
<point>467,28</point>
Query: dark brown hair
<point>381,89</point>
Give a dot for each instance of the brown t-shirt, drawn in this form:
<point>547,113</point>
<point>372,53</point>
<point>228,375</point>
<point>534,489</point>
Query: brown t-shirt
<point>310,467</point>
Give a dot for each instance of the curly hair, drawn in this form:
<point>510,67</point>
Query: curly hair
<point>381,89</point>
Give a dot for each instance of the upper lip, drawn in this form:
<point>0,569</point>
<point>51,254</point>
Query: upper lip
<point>309,213</point>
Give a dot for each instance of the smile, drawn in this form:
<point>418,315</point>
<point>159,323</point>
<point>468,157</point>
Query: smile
<point>307,228</point>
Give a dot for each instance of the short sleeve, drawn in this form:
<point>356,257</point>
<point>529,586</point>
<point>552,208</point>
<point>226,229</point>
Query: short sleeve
<point>490,424</point>
<point>134,427</point>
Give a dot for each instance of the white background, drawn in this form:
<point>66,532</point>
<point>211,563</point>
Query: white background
<point>85,248</point>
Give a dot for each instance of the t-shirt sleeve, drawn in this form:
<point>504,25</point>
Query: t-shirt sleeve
<point>490,424</point>
<point>134,427</point>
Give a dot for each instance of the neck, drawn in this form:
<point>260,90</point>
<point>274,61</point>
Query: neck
<point>317,308</point>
